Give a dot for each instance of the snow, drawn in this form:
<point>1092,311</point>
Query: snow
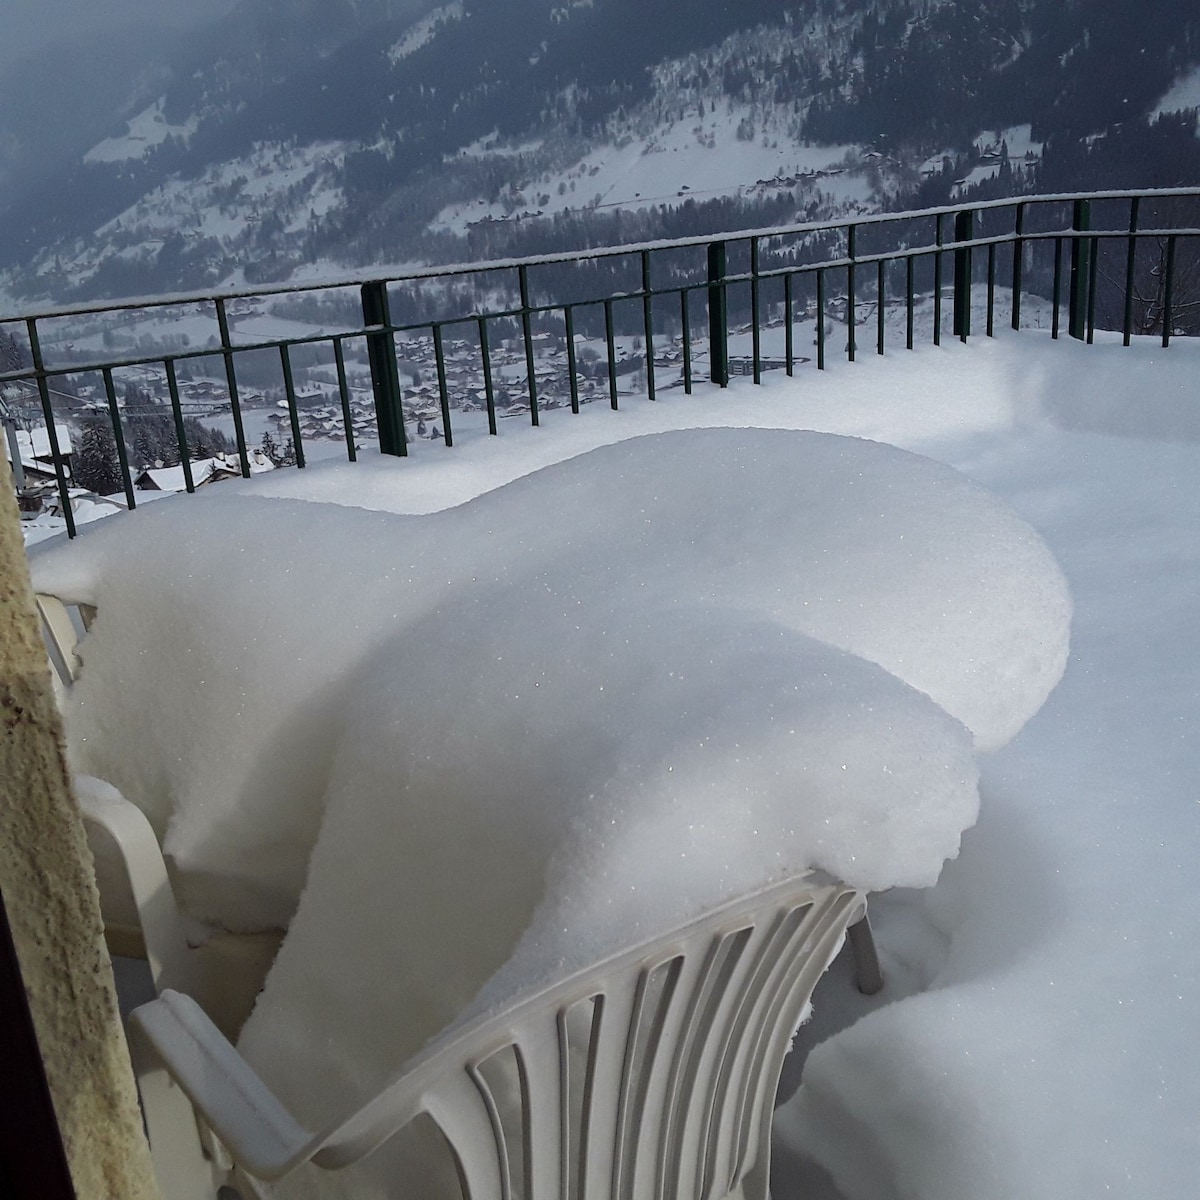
<point>34,444</point>
<point>173,479</point>
<point>143,132</point>
<point>689,159</point>
<point>224,201</point>
<point>1032,1039</point>
<point>1182,94</point>
<point>761,553</point>
<point>1022,149</point>
<point>423,30</point>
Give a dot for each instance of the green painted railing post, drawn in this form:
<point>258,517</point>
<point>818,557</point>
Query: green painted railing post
<point>385,374</point>
<point>1081,263</point>
<point>527,334</point>
<point>648,323</point>
<point>1018,265</point>
<point>1130,263</point>
<point>964,231</point>
<point>851,298</point>
<point>718,328</point>
<point>235,404</point>
<point>43,387</point>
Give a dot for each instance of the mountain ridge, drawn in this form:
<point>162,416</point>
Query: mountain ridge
<point>292,131</point>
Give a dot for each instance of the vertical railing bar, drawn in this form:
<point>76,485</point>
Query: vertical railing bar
<point>231,382</point>
<point>991,290</point>
<point>685,320</point>
<point>114,415</point>
<point>339,359</point>
<point>289,390</point>
<point>755,332</point>
<point>964,231</point>
<point>789,349</point>
<point>489,390</point>
<point>1093,275</point>
<point>1130,263</point>
<point>937,285</point>
<point>439,355</point>
<point>1081,219</point>
<point>880,290</point>
<point>612,352</point>
<point>527,329</point>
<point>185,458</point>
<point>820,319</point>
<point>569,322</point>
<point>1169,294</point>
<point>1056,294</point>
<point>385,374</point>
<point>851,305</point>
<point>43,387</point>
<point>909,272</point>
<point>1018,265</point>
<point>718,329</point>
<point>648,323</point>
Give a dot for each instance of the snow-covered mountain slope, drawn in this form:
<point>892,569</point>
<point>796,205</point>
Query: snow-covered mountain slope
<point>294,133</point>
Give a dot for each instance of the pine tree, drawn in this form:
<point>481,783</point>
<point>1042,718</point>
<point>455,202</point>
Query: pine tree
<point>270,447</point>
<point>95,464</point>
<point>154,441</point>
<point>204,441</point>
<point>12,354</point>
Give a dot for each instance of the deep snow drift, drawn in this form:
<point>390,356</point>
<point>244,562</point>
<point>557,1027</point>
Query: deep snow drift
<point>259,626</point>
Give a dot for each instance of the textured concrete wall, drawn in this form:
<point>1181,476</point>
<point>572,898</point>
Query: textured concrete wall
<point>50,893</point>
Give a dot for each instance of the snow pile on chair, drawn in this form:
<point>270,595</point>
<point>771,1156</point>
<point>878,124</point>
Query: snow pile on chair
<point>479,745</point>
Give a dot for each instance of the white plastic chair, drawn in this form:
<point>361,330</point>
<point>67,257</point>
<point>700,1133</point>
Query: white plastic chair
<point>651,1074</point>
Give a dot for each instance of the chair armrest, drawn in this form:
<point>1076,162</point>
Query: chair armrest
<point>263,1137</point>
<point>62,640</point>
<point>162,926</point>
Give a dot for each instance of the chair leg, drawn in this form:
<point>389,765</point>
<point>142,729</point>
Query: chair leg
<point>866,958</point>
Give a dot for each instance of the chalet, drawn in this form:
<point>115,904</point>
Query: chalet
<point>34,448</point>
<point>204,471</point>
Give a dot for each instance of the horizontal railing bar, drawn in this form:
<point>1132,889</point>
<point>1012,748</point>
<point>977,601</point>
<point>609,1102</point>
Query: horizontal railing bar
<point>770,256</point>
<point>897,255</point>
<point>356,279</point>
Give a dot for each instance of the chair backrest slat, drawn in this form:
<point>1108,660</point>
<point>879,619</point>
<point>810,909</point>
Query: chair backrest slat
<point>466,1113</point>
<point>647,1076</point>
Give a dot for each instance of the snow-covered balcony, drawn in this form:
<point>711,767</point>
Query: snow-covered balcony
<point>826,652</point>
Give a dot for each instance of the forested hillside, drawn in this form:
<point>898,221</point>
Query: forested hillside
<point>348,132</point>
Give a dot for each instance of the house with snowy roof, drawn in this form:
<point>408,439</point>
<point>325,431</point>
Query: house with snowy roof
<point>204,471</point>
<point>35,452</point>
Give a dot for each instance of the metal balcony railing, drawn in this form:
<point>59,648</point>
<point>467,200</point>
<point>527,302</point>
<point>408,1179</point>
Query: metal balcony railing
<point>520,336</point>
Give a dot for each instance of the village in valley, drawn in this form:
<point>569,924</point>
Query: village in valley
<point>324,409</point>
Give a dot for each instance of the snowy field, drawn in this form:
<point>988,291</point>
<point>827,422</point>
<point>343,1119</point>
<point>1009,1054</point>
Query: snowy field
<point>145,131</point>
<point>688,159</point>
<point>1034,1038</point>
<point>1183,93</point>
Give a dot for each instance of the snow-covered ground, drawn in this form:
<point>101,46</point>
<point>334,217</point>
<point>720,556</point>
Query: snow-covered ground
<point>424,29</point>
<point>1016,140</point>
<point>1183,93</point>
<point>1034,1039</point>
<point>694,158</point>
<point>144,131</point>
